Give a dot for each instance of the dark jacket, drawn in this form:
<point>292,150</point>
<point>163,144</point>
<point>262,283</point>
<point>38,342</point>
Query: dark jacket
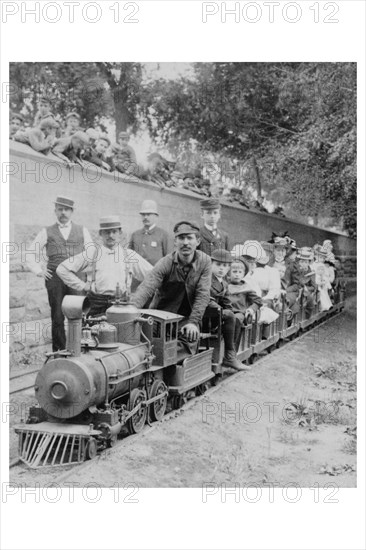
<point>151,244</point>
<point>171,288</point>
<point>295,279</point>
<point>209,242</point>
<point>242,298</point>
<point>219,294</point>
<point>92,156</point>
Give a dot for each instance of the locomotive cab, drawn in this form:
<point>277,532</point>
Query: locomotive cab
<point>163,334</point>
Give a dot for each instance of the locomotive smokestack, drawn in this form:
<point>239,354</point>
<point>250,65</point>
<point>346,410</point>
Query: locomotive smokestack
<point>73,307</point>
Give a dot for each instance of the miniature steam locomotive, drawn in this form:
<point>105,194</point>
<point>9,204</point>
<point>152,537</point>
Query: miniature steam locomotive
<point>119,370</point>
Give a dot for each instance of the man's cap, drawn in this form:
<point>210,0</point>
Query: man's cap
<point>18,116</point>
<point>104,138</point>
<point>123,135</point>
<point>65,201</point>
<point>76,115</point>
<point>222,255</point>
<point>83,136</point>
<point>110,222</point>
<point>209,204</point>
<point>305,253</point>
<point>48,122</point>
<point>280,242</point>
<point>185,228</point>
<point>149,207</point>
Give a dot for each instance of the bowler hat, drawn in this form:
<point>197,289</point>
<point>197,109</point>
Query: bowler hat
<point>149,207</point>
<point>185,228</point>
<point>209,204</point>
<point>222,255</point>
<point>110,222</point>
<point>64,201</point>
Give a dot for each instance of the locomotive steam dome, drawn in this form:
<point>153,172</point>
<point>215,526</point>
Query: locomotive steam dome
<point>124,316</point>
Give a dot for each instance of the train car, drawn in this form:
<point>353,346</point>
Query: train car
<point>118,372</point>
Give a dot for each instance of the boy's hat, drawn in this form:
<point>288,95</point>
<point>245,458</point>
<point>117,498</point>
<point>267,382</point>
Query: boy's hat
<point>123,135</point>
<point>222,255</point>
<point>110,222</point>
<point>252,250</point>
<point>209,204</point>
<point>83,136</point>
<point>305,253</point>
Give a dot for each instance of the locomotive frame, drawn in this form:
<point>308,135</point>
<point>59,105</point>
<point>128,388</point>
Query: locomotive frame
<point>154,378</point>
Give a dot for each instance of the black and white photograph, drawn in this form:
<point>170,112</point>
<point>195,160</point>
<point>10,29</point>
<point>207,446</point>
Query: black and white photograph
<point>181,257</point>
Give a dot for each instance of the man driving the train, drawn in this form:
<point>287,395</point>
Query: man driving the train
<point>180,283</point>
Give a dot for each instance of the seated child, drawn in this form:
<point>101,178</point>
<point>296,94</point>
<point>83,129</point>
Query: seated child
<point>322,276</point>
<point>244,299</point>
<point>221,261</point>
<point>300,276</point>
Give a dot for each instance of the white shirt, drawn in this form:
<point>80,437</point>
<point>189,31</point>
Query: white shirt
<point>36,257</point>
<point>268,280</point>
<point>112,266</point>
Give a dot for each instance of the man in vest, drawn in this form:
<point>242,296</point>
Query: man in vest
<point>151,242</point>
<point>106,266</point>
<point>58,242</point>
<point>211,236</point>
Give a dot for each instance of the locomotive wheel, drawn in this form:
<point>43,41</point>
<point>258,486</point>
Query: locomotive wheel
<point>158,408</point>
<point>137,421</point>
<point>91,449</point>
<point>178,401</point>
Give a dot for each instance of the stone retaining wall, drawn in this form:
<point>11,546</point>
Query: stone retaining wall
<point>35,182</point>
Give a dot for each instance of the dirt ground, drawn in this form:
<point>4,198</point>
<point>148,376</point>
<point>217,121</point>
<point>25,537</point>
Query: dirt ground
<point>291,419</point>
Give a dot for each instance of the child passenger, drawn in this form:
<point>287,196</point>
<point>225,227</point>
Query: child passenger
<point>244,299</point>
<point>221,261</point>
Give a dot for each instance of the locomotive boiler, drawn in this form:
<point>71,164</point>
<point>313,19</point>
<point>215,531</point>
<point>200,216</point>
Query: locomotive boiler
<point>115,375</point>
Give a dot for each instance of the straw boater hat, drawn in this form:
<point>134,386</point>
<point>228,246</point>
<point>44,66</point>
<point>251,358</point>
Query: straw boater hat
<point>65,201</point>
<point>110,222</point>
<point>149,207</point>
<point>320,250</point>
<point>222,255</point>
<point>305,253</point>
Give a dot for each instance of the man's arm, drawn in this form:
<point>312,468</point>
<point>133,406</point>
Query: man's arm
<point>38,142</point>
<point>139,266</point>
<point>202,293</point>
<point>152,282</point>
<point>35,260</point>
<point>67,270</point>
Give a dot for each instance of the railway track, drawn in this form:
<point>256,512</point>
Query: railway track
<point>228,377</point>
